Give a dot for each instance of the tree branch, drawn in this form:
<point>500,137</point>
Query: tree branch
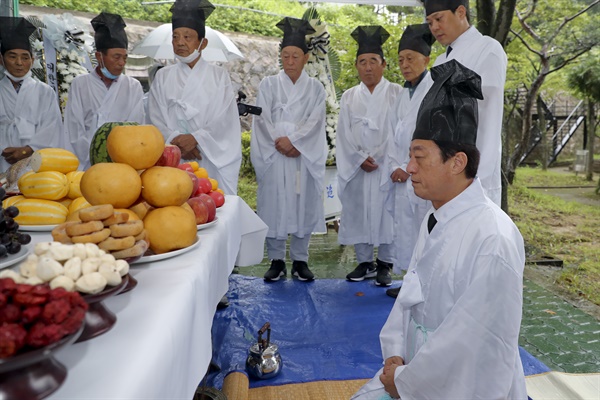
<point>566,20</point>
<point>525,43</point>
<point>528,28</point>
<point>568,60</point>
<point>530,12</point>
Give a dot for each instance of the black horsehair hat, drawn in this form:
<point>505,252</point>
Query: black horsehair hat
<point>109,31</point>
<point>417,38</point>
<point>294,32</point>
<point>191,14</point>
<point>449,110</point>
<point>14,34</point>
<point>432,6</point>
<point>369,39</point>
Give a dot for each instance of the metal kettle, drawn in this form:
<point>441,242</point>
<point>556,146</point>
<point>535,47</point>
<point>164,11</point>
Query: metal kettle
<point>264,360</point>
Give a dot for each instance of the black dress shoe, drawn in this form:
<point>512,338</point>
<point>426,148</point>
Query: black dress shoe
<point>393,292</point>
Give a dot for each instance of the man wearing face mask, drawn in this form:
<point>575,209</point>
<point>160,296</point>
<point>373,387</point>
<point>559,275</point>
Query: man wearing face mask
<point>104,95</point>
<point>192,102</point>
<point>29,114</point>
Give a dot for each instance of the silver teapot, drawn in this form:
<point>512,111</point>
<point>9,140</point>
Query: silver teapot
<point>264,360</point>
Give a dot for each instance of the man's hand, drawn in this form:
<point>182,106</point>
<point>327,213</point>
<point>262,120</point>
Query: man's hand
<point>283,145</point>
<point>399,175</point>
<point>188,145</point>
<point>369,165</point>
<point>293,153</point>
<point>387,377</point>
<point>14,154</point>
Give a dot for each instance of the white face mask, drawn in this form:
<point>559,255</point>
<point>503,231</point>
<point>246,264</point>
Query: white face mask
<point>192,57</point>
<point>14,78</point>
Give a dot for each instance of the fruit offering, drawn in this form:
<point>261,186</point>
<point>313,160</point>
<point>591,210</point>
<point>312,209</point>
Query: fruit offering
<point>77,267</point>
<point>11,239</point>
<point>33,316</point>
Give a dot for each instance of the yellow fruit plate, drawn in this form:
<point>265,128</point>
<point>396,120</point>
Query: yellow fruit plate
<point>164,256</point>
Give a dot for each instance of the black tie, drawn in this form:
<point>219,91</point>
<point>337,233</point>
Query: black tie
<point>431,222</point>
<point>448,50</point>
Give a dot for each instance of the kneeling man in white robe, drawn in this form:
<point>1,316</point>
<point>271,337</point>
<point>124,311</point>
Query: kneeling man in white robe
<point>362,149</point>
<point>192,102</point>
<point>454,329</point>
<point>105,94</point>
<point>29,114</point>
<point>288,152</point>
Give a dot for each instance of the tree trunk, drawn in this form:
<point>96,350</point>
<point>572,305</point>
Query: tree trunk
<point>486,11</point>
<point>542,128</point>
<point>590,139</point>
<point>503,21</point>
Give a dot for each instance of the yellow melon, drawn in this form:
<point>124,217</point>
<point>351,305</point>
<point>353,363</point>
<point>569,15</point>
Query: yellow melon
<point>170,228</point>
<point>166,186</point>
<point>111,183</point>
<point>139,146</point>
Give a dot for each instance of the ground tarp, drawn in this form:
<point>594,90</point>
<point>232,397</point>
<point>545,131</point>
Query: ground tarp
<point>326,330</point>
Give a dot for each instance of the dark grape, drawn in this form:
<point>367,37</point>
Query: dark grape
<point>3,251</point>
<point>24,238</point>
<point>11,211</point>
<point>5,238</point>
<point>13,247</point>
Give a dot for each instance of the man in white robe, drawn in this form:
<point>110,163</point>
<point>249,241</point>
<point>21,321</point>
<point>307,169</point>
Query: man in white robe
<point>288,151</point>
<point>449,23</point>
<point>103,95</point>
<point>454,329</point>
<point>192,102</point>
<point>408,210</point>
<point>361,155</point>
<point>29,114</point>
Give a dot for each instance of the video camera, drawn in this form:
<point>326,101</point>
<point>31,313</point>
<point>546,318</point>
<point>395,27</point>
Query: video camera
<point>245,109</point>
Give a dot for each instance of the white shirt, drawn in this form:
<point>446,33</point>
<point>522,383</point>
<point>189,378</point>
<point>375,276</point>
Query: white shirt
<point>290,190</point>
<point>456,321</point>
<point>364,130</point>
<point>408,210</point>
<point>91,104</point>
<point>200,101</point>
<point>485,56</point>
<point>29,118</point>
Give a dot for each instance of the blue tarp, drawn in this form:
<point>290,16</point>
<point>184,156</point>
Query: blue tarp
<point>326,330</point>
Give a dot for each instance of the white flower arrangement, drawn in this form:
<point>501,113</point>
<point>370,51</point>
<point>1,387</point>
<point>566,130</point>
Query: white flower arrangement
<point>318,67</point>
<point>72,43</point>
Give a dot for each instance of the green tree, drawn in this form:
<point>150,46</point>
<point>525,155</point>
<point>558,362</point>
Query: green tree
<point>554,43</point>
<point>585,79</point>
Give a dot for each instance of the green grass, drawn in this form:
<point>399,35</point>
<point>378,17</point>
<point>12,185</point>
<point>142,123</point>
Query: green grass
<point>564,229</point>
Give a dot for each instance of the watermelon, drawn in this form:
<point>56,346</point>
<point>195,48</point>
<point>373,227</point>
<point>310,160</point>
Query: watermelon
<point>98,151</point>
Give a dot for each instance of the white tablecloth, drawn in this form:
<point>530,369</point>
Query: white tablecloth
<point>160,346</point>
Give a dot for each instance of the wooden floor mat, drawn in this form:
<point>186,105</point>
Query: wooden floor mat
<point>236,387</point>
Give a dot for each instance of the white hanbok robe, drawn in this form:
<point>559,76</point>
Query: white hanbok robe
<point>456,321</point>
<point>485,56</point>
<point>364,130</point>
<point>290,190</point>
<point>408,209</point>
<point>29,118</point>
<point>91,104</point>
<point>200,101</point>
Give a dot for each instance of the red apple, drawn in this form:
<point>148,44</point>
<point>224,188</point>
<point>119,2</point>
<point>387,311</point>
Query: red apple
<point>204,186</point>
<point>195,182</point>
<point>170,157</point>
<point>186,167</point>
<point>218,198</point>
<point>200,209</point>
<point>210,204</point>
